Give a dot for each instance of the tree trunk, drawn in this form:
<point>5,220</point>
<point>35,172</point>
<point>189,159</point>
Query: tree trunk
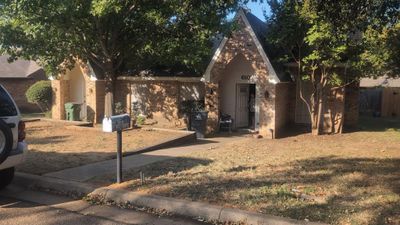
<point>109,103</point>
<point>317,105</point>
<point>110,90</point>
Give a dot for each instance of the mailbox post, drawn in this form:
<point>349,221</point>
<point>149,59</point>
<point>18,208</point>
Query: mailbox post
<point>118,124</point>
<point>119,156</point>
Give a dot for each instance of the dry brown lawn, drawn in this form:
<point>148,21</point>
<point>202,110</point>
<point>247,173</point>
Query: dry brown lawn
<point>352,178</point>
<point>53,147</point>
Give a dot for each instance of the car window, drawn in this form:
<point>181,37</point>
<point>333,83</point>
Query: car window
<point>7,107</point>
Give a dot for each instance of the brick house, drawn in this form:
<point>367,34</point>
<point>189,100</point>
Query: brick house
<point>17,77</point>
<point>380,96</point>
<point>240,81</point>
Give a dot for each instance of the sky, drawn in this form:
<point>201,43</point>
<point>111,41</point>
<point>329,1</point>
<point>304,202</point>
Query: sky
<point>257,9</point>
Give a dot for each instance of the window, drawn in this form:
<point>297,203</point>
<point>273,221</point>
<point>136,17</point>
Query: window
<point>7,107</point>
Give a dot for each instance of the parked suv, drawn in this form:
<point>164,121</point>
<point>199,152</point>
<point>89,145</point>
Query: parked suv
<point>12,135</point>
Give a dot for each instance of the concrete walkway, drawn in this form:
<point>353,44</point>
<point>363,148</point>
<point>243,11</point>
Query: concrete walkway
<point>86,172</point>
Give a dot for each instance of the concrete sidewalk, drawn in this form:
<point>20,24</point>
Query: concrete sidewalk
<point>86,172</point>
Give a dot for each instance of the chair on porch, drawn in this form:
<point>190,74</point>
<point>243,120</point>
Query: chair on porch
<point>225,122</point>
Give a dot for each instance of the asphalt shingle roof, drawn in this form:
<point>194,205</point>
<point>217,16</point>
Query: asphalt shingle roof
<point>381,81</point>
<point>17,69</point>
<point>260,29</point>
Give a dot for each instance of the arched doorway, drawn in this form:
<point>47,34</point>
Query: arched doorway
<point>77,90</point>
<point>238,91</point>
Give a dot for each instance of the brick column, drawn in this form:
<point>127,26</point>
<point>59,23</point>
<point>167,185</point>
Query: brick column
<point>100,100</point>
<point>60,97</point>
<point>212,107</point>
<point>266,95</point>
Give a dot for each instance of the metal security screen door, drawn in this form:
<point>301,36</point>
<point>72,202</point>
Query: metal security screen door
<point>242,105</point>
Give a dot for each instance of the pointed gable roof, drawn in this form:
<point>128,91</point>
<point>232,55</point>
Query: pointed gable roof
<point>259,27</point>
<point>258,31</point>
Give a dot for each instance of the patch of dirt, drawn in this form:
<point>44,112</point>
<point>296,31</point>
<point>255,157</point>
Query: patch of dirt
<point>53,147</point>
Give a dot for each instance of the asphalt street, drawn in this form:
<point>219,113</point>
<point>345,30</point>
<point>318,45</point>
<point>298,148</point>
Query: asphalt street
<point>16,212</point>
<point>19,206</point>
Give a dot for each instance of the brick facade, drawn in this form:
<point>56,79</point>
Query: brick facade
<point>241,42</point>
<point>17,87</point>
<point>94,95</point>
<point>277,103</point>
<point>159,101</point>
<point>285,109</point>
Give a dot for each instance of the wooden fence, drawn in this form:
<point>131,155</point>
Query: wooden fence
<point>391,102</point>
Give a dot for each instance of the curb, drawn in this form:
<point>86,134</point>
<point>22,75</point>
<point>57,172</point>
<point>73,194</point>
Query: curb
<point>171,130</point>
<point>29,120</point>
<point>69,188</point>
<point>176,206</point>
<point>188,137</point>
<point>194,209</point>
<point>67,122</point>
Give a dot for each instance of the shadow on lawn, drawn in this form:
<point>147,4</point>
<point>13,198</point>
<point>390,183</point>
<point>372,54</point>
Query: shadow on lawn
<point>40,162</point>
<point>355,189</point>
<point>376,182</point>
<point>48,140</point>
<point>367,123</point>
<point>169,166</point>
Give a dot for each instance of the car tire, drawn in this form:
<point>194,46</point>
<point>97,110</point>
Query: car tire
<point>6,147</point>
<point>6,176</point>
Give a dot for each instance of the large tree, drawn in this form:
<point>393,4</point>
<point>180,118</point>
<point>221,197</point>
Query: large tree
<point>357,37</point>
<point>115,35</point>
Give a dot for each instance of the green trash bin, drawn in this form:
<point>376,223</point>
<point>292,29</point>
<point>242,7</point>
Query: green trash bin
<point>72,111</point>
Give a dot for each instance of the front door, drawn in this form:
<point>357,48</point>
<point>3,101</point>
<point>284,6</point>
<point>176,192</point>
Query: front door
<point>242,105</point>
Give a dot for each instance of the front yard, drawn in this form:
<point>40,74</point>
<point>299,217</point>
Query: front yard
<point>352,178</point>
<point>55,146</point>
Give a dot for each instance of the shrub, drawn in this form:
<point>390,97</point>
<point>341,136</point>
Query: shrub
<point>48,114</point>
<point>40,93</point>
<point>140,120</point>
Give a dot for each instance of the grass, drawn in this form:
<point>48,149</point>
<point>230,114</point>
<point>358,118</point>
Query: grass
<point>53,147</point>
<point>352,178</point>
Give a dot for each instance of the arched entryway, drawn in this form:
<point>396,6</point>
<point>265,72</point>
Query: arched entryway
<point>237,93</point>
<point>77,90</point>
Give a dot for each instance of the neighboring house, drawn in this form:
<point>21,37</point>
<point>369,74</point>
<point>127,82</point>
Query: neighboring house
<point>380,96</point>
<point>17,77</point>
<point>239,75</point>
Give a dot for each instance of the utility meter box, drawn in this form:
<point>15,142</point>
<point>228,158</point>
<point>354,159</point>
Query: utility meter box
<point>116,123</point>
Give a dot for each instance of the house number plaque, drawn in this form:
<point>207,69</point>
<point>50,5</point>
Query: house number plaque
<point>246,77</point>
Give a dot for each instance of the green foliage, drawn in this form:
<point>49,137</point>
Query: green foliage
<point>41,94</point>
<point>324,35</point>
<point>334,43</point>
<point>382,52</point>
<point>115,35</point>
<point>190,106</point>
<point>140,120</point>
